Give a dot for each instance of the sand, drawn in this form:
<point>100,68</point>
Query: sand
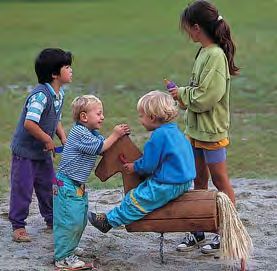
<point>119,250</point>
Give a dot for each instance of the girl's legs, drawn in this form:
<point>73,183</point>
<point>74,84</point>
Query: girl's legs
<point>216,162</point>
<point>220,179</point>
<point>202,174</point>
<point>208,162</point>
<point>200,183</point>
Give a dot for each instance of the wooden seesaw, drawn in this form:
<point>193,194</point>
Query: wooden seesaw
<point>195,210</point>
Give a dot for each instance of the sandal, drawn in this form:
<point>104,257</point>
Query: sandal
<point>20,235</point>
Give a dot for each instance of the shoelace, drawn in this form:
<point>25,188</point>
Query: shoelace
<point>103,219</point>
<point>189,237</point>
<point>100,217</point>
<point>72,259</point>
<point>216,239</point>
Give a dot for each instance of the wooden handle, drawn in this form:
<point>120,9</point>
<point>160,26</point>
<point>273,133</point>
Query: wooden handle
<point>122,158</point>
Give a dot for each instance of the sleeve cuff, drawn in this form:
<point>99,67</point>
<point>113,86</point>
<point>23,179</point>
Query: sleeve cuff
<point>180,92</point>
<point>100,147</point>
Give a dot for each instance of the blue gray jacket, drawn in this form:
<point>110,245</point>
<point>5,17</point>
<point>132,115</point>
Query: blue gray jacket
<point>23,143</point>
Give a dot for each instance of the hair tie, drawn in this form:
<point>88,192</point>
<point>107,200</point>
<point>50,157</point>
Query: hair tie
<point>219,18</point>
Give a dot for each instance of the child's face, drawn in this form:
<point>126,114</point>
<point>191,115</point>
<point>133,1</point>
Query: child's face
<point>193,32</point>
<point>148,123</point>
<point>93,117</point>
<point>65,75</point>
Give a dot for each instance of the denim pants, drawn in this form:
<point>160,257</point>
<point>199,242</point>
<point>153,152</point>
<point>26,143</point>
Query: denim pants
<point>70,217</point>
<point>140,201</point>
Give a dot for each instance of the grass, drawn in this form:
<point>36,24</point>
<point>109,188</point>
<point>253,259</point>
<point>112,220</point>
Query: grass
<point>123,49</point>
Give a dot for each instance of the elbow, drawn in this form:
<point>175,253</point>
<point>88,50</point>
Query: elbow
<point>26,124</point>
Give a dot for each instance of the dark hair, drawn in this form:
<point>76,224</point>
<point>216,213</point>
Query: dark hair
<point>49,62</point>
<point>207,17</point>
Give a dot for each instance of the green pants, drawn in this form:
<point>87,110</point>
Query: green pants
<point>70,206</point>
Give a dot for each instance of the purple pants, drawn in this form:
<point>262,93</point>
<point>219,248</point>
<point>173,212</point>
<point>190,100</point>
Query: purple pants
<point>27,175</point>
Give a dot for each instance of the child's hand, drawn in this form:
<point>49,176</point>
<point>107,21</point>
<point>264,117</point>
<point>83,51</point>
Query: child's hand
<point>129,168</point>
<point>63,140</point>
<point>121,130</point>
<point>174,92</point>
<point>50,146</point>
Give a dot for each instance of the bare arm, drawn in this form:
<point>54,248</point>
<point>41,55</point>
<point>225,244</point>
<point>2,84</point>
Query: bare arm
<point>60,133</point>
<point>119,131</point>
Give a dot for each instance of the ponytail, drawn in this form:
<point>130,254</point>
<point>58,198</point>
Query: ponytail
<point>222,37</point>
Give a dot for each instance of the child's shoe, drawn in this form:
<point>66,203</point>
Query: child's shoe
<point>190,241</point>
<point>99,221</point>
<point>20,235</point>
<point>213,247</point>
<point>70,262</point>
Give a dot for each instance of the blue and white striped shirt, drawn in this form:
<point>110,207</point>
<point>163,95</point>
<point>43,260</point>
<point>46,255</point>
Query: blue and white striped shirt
<point>79,154</point>
<point>37,103</point>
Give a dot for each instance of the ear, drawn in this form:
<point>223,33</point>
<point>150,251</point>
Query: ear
<point>83,117</point>
<point>196,27</point>
<point>152,119</point>
<point>54,76</point>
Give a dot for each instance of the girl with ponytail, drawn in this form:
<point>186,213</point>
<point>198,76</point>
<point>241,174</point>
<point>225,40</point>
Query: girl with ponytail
<point>206,101</point>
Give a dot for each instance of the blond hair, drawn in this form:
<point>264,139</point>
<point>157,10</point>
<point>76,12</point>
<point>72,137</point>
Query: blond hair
<point>81,103</point>
<point>159,105</point>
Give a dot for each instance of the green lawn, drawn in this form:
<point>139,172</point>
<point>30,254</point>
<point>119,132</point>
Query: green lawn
<point>123,49</point>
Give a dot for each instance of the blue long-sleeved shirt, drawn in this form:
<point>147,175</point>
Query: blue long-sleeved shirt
<point>167,156</point>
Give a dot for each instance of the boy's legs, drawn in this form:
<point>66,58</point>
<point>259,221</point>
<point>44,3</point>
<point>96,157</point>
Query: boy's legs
<point>142,200</point>
<point>70,219</point>
<point>44,174</point>
<point>22,182</point>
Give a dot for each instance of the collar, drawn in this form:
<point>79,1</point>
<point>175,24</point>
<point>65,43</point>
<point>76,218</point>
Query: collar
<point>53,91</point>
<point>94,132</point>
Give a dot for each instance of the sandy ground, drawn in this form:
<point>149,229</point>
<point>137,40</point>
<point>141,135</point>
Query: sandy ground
<point>119,250</point>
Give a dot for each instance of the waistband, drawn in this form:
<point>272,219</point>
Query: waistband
<point>61,178</point>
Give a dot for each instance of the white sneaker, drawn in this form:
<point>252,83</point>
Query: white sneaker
<point>71,261</point>
<point>79,252</point>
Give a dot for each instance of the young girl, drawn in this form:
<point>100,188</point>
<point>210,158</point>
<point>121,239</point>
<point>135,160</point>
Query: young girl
<point>167,160</point>
<point>206,100</point>
<point>84,143</point>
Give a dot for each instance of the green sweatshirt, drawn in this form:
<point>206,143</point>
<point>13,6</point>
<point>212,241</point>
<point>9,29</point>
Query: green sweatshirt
<point>207,116</point>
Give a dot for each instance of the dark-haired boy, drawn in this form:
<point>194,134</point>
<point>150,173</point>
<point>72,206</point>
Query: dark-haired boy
<point>32,142</point>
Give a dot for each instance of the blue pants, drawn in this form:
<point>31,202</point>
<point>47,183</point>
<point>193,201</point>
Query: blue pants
<point>144,199</point>
<point>70,217</point>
